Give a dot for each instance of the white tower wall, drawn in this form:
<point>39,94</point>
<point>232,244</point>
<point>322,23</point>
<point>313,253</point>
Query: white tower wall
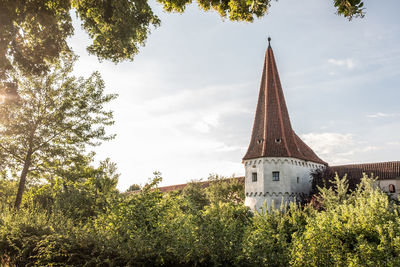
<point>294,181</point>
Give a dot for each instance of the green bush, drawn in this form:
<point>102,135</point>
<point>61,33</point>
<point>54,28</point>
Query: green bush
<point>357,229</point>
<point>200,227</point>
<point>20,233</point>
<point>268,240</point>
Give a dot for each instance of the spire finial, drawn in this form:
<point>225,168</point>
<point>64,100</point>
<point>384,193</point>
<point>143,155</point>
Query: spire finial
<point>269,41</point>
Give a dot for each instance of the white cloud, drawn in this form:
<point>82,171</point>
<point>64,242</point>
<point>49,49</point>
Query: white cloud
<point>207,123</point>
<point>337,148</point>
<point>332,147</point>
<point>326,143</point>
<point>370,148</point>
<point>382,115</point>
<point>348,62</point>
<point>395,143</point>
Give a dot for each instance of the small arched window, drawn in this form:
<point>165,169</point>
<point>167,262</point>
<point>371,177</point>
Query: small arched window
<point>254,177</point>
<point>392,188</point>
<point>275,176</point>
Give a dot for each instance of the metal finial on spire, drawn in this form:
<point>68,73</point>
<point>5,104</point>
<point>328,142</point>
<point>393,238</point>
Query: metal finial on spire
<point>269,41</point>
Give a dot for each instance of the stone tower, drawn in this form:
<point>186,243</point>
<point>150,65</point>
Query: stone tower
<point>277,163</point>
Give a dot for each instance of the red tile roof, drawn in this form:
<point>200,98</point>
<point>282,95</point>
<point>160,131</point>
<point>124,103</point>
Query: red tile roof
<point>272,134</point>
<point>382,170</point>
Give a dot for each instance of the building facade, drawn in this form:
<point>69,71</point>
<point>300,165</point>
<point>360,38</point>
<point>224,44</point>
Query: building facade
<point>278,164</point>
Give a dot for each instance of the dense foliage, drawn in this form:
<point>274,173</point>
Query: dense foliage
<point>198,226</point>
<point>45,129</point>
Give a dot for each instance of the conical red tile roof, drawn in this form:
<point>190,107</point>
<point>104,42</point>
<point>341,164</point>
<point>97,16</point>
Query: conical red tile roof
<point>272,134</point>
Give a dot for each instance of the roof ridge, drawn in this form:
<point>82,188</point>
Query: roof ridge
<point>368,163</point>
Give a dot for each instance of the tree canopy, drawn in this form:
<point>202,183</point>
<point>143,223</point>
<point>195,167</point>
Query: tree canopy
<point>34,33</point>
<point>133,187</point>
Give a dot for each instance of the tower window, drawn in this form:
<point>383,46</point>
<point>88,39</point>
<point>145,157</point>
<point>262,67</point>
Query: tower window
<point>254,177</point>
<point>392,188</point>
<point>275,176</point>
<point>298,179</point>
<point>277,140</point>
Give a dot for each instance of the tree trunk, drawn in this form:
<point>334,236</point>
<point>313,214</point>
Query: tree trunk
<point>22,179</point>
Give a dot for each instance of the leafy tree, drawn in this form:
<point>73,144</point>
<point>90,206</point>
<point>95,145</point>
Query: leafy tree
<point>195,197</point>
<point>138,225</point>
<point>208,222</point>
<point>356,229</point>
<point>53,119</point>
<point>219,232</point>
<point>217,188</point>
<point>228,190</point>
<point>91,194</point>
<point>7,192</point>
<point>350,8</point>
<point>19,234</point>
<point>34,33</point>
<point>268,240</point>
<point>133,187</point>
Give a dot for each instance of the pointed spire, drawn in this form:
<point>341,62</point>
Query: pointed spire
<point>272,134</point>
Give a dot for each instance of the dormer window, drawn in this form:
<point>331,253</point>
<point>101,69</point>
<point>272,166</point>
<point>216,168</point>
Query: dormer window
<point>275,176</point>
<point>259,141</point>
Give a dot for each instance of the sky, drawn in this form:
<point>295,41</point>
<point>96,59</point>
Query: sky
<point>186,103</point>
